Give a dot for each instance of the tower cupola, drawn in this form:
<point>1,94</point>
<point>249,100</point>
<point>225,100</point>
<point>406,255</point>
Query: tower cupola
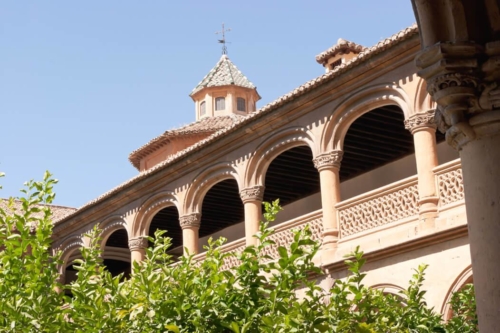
<point>224,91</point>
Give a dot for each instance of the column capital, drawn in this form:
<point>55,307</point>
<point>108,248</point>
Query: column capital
<point>328,160</point>
<point>421,120</point>
<point>463,79</point>
<point>190,221</point>
<point>253,193</point>
<point>138,243</point>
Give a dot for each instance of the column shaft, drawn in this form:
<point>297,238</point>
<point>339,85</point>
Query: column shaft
<point>190,239</point>
<point>481,174</point>
<point>190,225</point>
<point>423,128</point>
<point>328,165</point>
<point>252,200</point>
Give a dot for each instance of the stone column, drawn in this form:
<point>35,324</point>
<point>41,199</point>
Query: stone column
<point>328,165</point>
<point>464,80</point>
<point>423,128</point>
<point>190,225</point>
<point>138,248</point>
<point>252,200</point>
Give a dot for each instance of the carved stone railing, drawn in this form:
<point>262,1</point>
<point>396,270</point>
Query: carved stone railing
<point>450,183</point>
<point>283,235</point>
<point>234,247</point>
<point>379,207</point>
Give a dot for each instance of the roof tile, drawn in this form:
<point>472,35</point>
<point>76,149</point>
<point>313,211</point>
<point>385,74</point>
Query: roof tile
<point>225,73</point>
<point>207,125</point>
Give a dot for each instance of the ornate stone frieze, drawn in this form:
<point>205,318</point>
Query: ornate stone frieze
<point>330,159</point>
<point>190,221</point>
<point>254,193</point>
<point>420,120</point>
<point>138,243</point>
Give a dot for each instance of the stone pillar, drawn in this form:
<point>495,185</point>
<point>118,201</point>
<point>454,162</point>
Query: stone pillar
<point>464,80</point>
<point>252,200</point>
<point>423,128</point>
<point>328,165</point>
<point>138,248</point>
<point>190,225</point>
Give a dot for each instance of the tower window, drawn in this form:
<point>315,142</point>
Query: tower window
<point>220,103</point>
<point>240,104</point>
<point>336,63</point>
<point>203,108</point>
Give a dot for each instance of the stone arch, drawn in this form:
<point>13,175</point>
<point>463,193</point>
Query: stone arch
<point>423,100</point>
<point>68,248</point>
<point>462,279</point>
<point>148,210</point>
<point>109,226</point>
<point>389,288</point>
<point>204,181</point>
<point>356,105</point>
<point>275,145</point>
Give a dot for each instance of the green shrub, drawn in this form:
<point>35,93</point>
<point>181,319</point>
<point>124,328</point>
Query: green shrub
<point>257,295</point>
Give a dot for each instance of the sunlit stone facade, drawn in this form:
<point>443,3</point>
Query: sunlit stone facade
<point>354,154</point>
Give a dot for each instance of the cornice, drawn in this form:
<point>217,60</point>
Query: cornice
<point>404,247</point>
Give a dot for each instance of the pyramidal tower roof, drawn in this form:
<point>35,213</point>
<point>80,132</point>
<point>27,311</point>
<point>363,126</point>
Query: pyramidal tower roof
<point>225,73</point>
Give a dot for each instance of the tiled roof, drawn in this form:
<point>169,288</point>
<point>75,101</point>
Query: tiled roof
<point>342,46</point>
<point>364,56</point>
<point>225,73</point>
<point>206,125</point>
<point>58,212</point>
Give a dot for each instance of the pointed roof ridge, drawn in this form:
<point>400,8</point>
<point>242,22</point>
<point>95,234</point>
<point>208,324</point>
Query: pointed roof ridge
<point>224,73</point>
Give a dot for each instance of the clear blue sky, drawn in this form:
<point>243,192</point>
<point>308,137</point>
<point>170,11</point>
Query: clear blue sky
<point>84,83</point>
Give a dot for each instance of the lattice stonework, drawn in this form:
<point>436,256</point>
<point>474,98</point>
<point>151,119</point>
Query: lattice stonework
<point>379,211</point>
<point>451,186</point>
<point>232,261</point>
<point>285,237</point>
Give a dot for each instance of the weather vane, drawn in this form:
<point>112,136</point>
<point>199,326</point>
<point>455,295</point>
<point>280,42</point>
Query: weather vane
<point>223,40</point>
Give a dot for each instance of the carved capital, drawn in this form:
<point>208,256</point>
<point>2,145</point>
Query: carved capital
<point>190,221</point>
<point>254,193</point>
<point>421,120</point>
<point>464,81</point>
<point>138,243</point>
<point>330,159</point>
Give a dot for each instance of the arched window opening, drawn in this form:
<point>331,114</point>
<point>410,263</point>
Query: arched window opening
<point>220,104</point>
<point>377,151</point>
<point>293,179</point>
<point>203,109</point>
<point>117,254</point>
<point>168,219</point>
<point>222,208</point>
<point>449,313</point>
<point>241,104</point>
<point>69,277</point>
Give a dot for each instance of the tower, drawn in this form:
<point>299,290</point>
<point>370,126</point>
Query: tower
<point>224,91</point>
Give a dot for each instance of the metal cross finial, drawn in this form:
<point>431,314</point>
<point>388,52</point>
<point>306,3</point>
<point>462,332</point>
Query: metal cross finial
<point>223,40</point>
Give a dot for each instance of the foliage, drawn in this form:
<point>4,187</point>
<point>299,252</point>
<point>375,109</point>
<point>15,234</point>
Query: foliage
<point>189,295</point>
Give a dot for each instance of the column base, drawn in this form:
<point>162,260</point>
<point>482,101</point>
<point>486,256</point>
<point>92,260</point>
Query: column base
<point>324,256</point>
<point>428,207</point>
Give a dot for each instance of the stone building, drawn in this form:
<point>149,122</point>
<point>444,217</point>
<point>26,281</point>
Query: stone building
<point>353,153</point>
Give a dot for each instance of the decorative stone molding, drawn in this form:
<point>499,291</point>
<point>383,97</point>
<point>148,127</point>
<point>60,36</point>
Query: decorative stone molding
<point>330,159</point>
<point>190,221</point>
<point>254,193</point>
<point>421,120</point>
<point>138,243</point>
